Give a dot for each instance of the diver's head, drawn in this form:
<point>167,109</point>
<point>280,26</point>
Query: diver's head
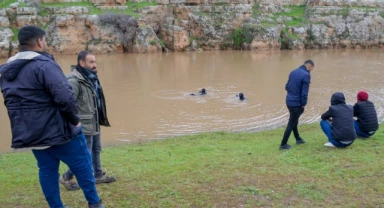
<point>203,92</point>
<point>241,96</point>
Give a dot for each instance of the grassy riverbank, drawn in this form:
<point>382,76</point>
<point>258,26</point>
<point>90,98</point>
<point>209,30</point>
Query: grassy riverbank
<point>221,170</point>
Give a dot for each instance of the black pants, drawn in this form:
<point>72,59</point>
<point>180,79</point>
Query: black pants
<point>294,115</point>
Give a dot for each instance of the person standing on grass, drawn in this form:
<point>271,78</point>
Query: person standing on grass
<point>92,112</point>
<point>297,89</point>
<point>43,114</point>
<point>337,122</point>
<point>366,124</point>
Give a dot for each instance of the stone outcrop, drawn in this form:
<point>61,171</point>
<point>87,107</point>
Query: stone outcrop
<point>335,27</point>
<point>181,25</point>
<point>353,3</point>
<point>108,2</point>
<point>5,41</point>
<point>146,41</point>
<point>70,34</point>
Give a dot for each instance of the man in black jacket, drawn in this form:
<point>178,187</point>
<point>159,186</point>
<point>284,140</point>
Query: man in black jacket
<point>367,123</point>
<point>43,115</point>
<point>340,132</point>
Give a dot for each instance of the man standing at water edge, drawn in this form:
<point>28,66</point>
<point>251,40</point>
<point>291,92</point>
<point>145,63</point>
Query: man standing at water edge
<point>43,115</point>
<point>92,112</point>
<point>297,89</point>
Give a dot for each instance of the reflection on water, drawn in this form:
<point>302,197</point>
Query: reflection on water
<point>148,95</point>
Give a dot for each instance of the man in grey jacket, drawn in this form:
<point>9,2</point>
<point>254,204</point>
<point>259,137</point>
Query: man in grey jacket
<point>92,113</point>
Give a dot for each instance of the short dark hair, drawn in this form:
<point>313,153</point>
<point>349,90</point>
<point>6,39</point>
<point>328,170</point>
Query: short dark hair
<point>28,35</point>
<point>82,55</point>
<point>309,62</point>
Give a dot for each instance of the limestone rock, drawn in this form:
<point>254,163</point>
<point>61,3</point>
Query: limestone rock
<point>62,38</point>
<point>264,38</point>
<point>65,20</point>
<point>5,42</point>
<point>73,10</point>
<point>4,21</point>
<point>146,40</point>
<point>175,37</point>
<point>162,2</point>
<point>108,2</point>
<point>23,20</point>
<point>26,11</point>
<point>3,12</point>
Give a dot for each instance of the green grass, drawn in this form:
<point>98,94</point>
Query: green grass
<point>133,7</point>
<point>6,3</point>
<point>221,170</point>
<point>256,10</point>
<point>66,4</point>
<point>296,13</point>
<point>15,33</point>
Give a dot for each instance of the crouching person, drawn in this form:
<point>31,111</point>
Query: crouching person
<point>337,122</point>
<point>366,124</point>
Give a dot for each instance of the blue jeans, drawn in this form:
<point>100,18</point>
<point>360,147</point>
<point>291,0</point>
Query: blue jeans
<point>94,147</point>
<point>76,155</point>
<point>326,126</point>
<point>361,133</point>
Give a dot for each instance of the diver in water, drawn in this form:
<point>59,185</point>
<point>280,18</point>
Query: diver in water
<point>201,92</point>
<point>241,96</point>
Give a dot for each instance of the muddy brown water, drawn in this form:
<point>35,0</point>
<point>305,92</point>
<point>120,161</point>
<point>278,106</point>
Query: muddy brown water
<point>148,95</point>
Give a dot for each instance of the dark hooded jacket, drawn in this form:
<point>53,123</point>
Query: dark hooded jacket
<point>342,115</point>
<point>40,102</point>
<point>366,116</point>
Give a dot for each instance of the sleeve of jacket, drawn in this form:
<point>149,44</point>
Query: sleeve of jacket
<point>75,87</point>
<point>327,114</point>
<point>304,89</point>
<point>57,85</point>
<point>286,87</point>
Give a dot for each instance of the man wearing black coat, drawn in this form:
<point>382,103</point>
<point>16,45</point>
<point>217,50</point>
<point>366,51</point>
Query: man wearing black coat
<point>366,124</point>
<point>337,122</point>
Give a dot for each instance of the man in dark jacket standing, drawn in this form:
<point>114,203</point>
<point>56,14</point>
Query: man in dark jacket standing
<point>367,123</point>
<point>43,115</point>
<point>92,112</point>
<point>297,89</point>
<point>340,132</point>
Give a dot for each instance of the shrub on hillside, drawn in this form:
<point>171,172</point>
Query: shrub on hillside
<point>125,26</point>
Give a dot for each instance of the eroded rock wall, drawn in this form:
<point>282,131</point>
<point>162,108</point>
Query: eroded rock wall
<point>180,25</point>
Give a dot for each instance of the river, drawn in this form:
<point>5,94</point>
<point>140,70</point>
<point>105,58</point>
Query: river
<point>148,95</point>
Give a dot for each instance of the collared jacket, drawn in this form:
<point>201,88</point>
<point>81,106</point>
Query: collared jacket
<point>40,103</point>
<point>297,87</point>
<point>86,101</point>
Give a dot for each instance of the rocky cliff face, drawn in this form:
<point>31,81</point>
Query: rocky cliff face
<point>179,25</point>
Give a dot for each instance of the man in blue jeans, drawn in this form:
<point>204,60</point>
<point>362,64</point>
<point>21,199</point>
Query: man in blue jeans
<point>337,123</point>
<point>92,112</point>
<point>297,89</point>
<point>43,115</point>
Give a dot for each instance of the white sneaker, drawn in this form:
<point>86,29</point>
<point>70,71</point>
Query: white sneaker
<point>329,144</point>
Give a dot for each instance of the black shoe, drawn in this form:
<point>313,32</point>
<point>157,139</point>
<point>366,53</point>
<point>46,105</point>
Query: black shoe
<point>99,205</point>
<point>285,147</point>
<point>300,141</point>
